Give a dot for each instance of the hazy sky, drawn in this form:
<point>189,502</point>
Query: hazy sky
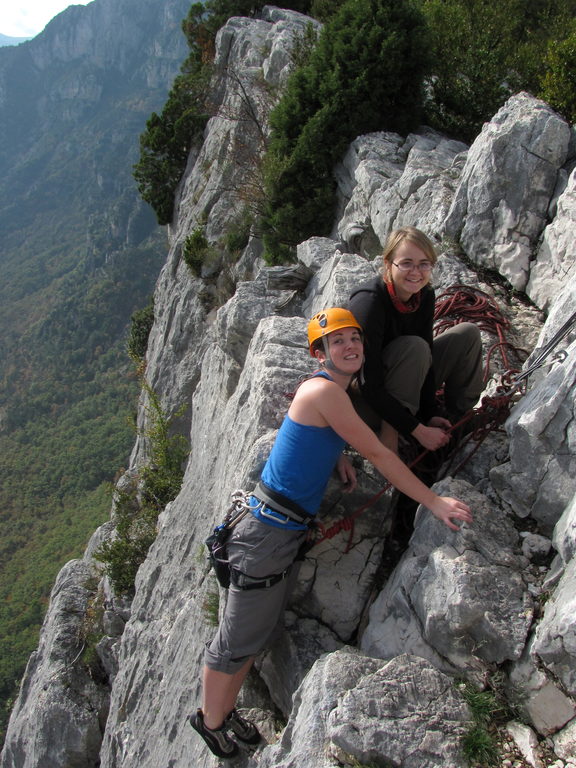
<point>25,18</point>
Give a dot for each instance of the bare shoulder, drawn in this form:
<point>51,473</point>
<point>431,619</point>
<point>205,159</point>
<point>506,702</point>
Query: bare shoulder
<point>315,386</point>
<point>311,399</point>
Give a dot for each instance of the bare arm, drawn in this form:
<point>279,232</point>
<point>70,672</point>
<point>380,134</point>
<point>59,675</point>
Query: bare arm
<point>346,473</point>
<point>322,402</point>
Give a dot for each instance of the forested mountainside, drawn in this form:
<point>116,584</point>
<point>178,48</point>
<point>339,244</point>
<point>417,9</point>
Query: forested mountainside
<point>500,48</point>
<point>79,253</point>
<point>463,652</point>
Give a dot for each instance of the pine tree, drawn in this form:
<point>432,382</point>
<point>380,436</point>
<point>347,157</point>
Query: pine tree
<point>364,75</point>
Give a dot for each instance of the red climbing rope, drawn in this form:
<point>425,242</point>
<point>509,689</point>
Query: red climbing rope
<point>460,304</point>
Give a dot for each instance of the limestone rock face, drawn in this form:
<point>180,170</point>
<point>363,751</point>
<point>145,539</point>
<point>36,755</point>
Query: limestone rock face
<point>230,344</point>
<point>501,204</point>
<point>540,478</point>
<point>435,604</point>
<point>62,708</point>
<point>252,59</point>
<point>565,533</point>
<point>555,640</point>
<point>555,265</point>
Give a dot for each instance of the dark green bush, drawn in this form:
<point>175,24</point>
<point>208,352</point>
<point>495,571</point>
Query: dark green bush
<point>140,327</point>
<point>135,533</point>
<point>365,74</point>
<point>195,250</point>
<point>559,82</point>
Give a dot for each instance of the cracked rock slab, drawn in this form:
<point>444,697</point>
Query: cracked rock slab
<point>406,713</point>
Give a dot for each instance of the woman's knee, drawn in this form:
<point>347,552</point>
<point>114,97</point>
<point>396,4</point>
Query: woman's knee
<point>419,348</point>
<point>412,349</point>
<point>461,340</point>
<point>472,333</point>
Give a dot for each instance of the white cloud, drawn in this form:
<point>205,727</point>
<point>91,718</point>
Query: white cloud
<point>26,18</point>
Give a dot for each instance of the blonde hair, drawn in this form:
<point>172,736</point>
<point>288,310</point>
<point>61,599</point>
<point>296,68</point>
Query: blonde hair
<point>412,235</point>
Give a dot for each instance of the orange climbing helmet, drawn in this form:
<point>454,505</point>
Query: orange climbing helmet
<point>330,320</point>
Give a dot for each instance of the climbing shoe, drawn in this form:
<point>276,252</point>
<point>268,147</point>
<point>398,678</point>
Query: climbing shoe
<point>217,740</point>
<point>241,728</point>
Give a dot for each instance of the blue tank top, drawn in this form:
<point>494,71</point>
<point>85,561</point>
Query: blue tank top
<point>301,462</point>
<point>299,465</point>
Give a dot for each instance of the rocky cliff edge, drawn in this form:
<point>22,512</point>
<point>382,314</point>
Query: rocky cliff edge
<point>371,667</point>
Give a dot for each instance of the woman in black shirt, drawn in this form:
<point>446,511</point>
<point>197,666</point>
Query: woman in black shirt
<point>404,364</point>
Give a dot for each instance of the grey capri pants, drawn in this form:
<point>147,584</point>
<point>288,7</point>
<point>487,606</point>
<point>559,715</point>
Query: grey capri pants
<point>252,617</point>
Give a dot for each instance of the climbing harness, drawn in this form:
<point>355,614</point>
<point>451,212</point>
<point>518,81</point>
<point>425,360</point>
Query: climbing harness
<point>269,503</point>
<point>282,506</point>
<point>216,542</point>
<point>464,304</point>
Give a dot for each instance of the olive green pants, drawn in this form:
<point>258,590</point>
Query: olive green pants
<point>457,359</point>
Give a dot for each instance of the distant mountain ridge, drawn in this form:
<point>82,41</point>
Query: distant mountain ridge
<point>79,253</point>
<point>7,40</point>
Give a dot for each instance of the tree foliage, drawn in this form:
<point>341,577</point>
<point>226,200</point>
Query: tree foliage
<point>365,74</point>
<point>483,52</point>
<point>140,327</point>
<point>559,81</point>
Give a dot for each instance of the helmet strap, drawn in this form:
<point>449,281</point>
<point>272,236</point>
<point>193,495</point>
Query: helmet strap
<point>328,364</point>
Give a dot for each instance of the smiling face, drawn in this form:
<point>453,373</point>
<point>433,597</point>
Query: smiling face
<point>346,350</point>
<point>408,282</point>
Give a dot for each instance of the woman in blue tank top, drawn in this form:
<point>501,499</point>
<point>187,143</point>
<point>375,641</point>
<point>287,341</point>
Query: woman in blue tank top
<point>264,546</point>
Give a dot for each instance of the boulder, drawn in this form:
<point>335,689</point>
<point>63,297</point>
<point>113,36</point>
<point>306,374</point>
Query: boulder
<point>434,604</point>
<point>386,181</point>
<point>352,707</point>
<point>406,713</point>
<point>500,207</point>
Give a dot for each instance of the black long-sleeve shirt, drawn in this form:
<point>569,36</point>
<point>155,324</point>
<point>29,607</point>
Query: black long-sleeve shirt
<point>381,322</point>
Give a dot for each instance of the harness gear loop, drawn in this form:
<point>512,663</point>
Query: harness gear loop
<point>239,507</point>
<point>216,542</point>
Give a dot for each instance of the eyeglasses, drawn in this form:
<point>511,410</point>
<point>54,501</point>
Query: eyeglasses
<point>408,266</point>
